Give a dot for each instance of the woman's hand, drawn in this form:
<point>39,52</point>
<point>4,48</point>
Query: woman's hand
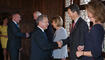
<point>79,53</point>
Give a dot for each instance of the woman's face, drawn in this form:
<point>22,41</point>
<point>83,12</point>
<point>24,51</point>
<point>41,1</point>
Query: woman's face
<point>54,24</point>
<point>90,16</point>
<point>5,21</point>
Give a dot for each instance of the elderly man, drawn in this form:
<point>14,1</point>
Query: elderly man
<point>36,14</point>
<point>40,46</point>
<point>49,30</point>
<point>14,37</point>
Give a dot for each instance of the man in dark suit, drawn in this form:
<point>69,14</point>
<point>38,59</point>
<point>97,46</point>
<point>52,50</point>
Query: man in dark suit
<point>77,35</point>
<point>14,37</point>
<point>49,30</point>
<point>40,46</point>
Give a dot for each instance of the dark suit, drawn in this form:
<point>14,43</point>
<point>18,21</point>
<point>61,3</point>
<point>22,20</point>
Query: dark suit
<point>14,40</point>
<point>40,46</point>
<point>76,37</point>
<point>49,31</point>
<point>93,42</point>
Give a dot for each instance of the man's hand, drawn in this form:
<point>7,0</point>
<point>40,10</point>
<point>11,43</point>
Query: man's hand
<point>27,35</point>
<point>59,43</point>
<point>79,53</point>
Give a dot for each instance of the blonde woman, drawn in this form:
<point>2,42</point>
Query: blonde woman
<point>60,33</point>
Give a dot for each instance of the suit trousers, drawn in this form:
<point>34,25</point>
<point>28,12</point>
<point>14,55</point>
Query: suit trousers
<point>14,54</point>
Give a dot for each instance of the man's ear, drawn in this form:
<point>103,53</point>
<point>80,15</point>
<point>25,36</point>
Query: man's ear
<point>40,22</point>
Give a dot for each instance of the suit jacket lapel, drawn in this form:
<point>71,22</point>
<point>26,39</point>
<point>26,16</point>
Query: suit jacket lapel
<point>43,33</point>
<point>15,25</point>
<point>76,25</point>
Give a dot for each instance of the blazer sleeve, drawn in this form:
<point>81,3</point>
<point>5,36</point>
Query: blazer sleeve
<point>83,30</point>
<point>16,31</point>
<point>66,41</point>
<point>41,42</point>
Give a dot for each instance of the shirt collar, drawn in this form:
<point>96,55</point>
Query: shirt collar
<point>41,28</point>
<point>76,20</point>
<point>15,22</point>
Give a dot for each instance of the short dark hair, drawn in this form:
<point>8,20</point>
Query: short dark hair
<point>3,18</point>
<point>74,7</point>
<point>40,18</point>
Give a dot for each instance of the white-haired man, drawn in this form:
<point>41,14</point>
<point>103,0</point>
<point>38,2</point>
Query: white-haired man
<point>36,14</point>
<point>48,31</point>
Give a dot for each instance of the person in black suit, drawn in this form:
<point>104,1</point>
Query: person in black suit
<point>95,36</point>
<point>14,37</point>
<point>77,34</point>
<point>49,30</point>
<point>40,46</point>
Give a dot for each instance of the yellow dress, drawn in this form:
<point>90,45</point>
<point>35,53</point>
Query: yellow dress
<point>3,31</point>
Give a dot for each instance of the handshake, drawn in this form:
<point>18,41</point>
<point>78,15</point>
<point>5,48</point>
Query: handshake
<point>27,35</point>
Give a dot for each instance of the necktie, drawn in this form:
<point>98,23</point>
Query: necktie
<point>73,25</point>
<point>17,25</point>
<point>70,27</point>
<point>45,35</point>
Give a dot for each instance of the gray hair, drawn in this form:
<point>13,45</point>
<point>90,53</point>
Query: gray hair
<point>40,18</point>
<point>38,13</point>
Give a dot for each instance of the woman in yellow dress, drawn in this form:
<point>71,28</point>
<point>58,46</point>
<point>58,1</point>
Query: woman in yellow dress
<point>3,35</point>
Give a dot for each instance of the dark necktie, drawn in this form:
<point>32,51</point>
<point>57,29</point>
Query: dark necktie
<point>45,35</point>
<point>17,25</point>
<point>73,25</point>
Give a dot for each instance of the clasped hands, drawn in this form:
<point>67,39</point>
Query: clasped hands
<point>80,49</point>
<point>80,52</point>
